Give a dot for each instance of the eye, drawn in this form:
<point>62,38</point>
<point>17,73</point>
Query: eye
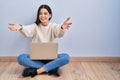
<point>45,13</point>
<point>40,13</point>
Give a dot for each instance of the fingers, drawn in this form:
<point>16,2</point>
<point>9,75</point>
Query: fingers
<point>68,27</point>
<point>67,19</point>
<point>11,24</point>
<point>10,28</point>
<point>13,27</point>
<point>69,23</point>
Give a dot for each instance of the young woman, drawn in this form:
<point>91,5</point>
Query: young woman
<point>42,31</point>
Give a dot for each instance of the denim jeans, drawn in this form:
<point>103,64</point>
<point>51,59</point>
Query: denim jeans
<point>62,59</point>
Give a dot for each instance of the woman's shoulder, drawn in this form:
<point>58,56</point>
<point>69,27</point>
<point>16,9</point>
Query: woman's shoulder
<point>54,24</point>
<point>34,25</point>
<point>30,25</point>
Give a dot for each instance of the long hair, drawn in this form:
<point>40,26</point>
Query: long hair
<point>47,8</point>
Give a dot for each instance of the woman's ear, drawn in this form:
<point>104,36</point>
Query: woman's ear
<point>50,16</point>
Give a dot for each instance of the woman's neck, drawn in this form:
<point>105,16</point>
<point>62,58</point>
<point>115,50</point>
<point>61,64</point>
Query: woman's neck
<point>45,24</point>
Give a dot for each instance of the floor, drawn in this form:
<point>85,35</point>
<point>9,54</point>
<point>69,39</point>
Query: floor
<point>73,71</point>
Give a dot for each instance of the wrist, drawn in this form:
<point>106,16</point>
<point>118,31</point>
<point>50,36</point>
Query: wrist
<point>21,27</point>
<point>61,27</point>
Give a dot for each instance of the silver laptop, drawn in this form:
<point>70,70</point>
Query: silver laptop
<point>43,51</point>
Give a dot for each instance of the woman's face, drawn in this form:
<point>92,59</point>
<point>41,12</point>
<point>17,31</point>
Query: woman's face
<point>44,16</point>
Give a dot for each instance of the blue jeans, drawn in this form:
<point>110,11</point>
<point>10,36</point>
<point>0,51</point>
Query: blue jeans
<point>62,59</point>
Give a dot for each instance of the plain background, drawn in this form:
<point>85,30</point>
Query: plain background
<point>95,30</point>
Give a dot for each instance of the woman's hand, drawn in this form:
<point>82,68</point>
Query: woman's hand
<point>14,27</point>
<point>66,24</point>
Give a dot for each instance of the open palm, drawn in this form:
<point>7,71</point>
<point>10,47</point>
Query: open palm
<point>66,23</point>
<point>14,27</point>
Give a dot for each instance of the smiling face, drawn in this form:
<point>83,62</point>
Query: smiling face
<point>44,16</point>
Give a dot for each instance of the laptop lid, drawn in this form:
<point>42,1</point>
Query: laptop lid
<point>43,51</point>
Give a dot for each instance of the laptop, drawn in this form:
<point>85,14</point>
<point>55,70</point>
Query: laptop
<point>43,51</point>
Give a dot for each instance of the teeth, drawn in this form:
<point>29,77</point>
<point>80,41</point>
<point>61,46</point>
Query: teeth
<point>42,19</point>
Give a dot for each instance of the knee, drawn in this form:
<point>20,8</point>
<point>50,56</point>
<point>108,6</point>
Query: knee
<point>21,58</point>
<point>66,58</point>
